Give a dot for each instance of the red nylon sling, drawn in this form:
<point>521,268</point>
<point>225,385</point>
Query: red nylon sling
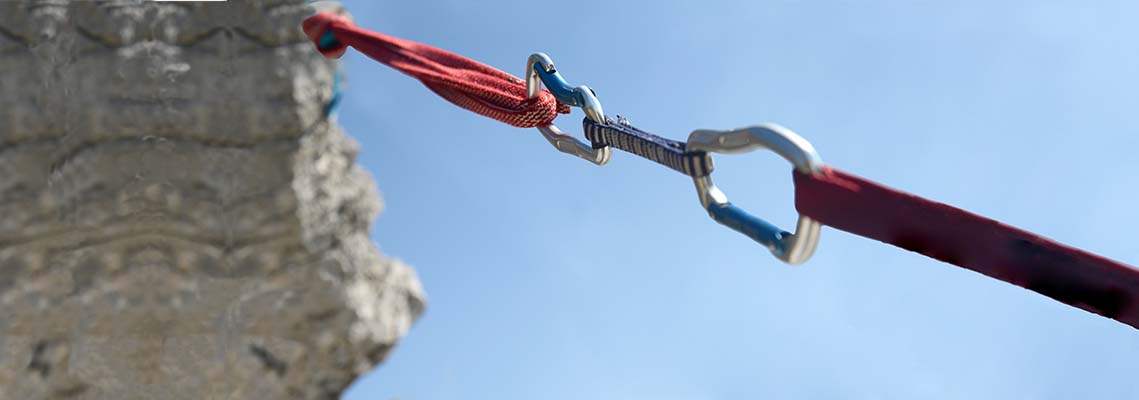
<point>466,83</point>
<point>837,199</point>
<point>1075,277</point>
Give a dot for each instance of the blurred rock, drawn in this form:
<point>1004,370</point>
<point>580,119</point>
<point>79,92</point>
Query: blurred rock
<point>179,219</point>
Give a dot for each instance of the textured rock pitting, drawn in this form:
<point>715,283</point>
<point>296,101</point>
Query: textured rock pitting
<point>178,217</point>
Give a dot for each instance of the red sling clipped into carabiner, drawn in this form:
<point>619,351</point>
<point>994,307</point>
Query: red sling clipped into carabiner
<point>466,83</point>
<point>823,195</point>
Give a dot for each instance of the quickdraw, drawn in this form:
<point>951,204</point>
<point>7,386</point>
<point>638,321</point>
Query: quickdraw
<point>823,195</point>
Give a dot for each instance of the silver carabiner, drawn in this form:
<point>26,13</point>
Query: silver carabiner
<point>791,248</point>
<point>540,69</point>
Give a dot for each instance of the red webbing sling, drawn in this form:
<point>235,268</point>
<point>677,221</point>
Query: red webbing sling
<point>466,83</point>
<point>1073,276</point>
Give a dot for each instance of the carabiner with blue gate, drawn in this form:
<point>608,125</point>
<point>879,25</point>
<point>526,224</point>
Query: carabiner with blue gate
<point>791,248</point>
<point>690,158</point>
<point>540,69</point>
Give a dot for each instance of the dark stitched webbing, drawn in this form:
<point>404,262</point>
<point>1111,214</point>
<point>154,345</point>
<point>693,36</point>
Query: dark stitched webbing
<point>669,153</point>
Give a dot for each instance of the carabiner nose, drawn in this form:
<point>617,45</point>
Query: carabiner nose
<point>540,69</point>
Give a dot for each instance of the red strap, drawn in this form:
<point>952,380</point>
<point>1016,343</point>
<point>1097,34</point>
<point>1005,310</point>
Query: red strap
<point>466,83</point>
<point>1072,276</point>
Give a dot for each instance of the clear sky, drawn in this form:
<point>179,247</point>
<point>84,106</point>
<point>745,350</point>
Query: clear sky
<point>551,278</point>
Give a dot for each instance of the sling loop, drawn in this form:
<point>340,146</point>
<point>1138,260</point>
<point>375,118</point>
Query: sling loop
<point>460,80</point>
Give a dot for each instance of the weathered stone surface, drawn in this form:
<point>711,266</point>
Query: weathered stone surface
<point>178,217</point>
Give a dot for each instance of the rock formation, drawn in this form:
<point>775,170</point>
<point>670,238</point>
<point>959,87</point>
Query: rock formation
<point>179,216</point>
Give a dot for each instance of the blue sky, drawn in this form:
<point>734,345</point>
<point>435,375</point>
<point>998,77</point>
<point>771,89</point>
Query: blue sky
<point>552,278</point>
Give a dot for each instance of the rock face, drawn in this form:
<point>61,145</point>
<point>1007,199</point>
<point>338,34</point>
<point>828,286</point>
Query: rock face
<point>179,217</point>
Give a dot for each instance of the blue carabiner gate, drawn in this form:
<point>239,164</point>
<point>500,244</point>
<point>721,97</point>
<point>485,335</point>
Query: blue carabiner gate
<point>540,69</point>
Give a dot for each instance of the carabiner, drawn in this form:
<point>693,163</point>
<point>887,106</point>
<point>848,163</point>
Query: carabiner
<point>791,248</point>
<point>540,69</point>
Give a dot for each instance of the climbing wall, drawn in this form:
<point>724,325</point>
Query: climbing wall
<point>180,218</point>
